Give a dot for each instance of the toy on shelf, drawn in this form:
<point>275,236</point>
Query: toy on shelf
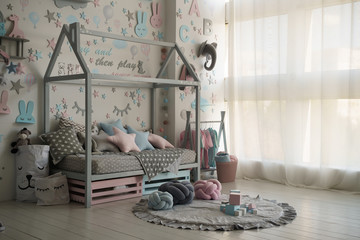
<point>16,32</point>
<point>22,139</point>
<point>234,206</point>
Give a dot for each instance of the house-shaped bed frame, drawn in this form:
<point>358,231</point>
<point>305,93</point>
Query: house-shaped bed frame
<point>72,32</point>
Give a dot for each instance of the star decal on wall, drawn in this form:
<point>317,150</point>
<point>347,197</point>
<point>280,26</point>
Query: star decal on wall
<point>9,6</point>
<point>16,86</point>
<point>58,23</point>
<point>96,3</point>
<point>83,15</point>
<point>20,69</point>
<point>51,43</point>
<point>160,35</point>
<point>11,68</point>
<point>182,96</point>
<point>31,58</point>
<point>37,54</point>
<point>96,94</point>
<point>123,31</point>
<point>130,15</point>
<point>50,16</point>
<point>58,107</point>
<point>53,88</point>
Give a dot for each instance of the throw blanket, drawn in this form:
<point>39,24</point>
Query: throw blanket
<point>159,160</point>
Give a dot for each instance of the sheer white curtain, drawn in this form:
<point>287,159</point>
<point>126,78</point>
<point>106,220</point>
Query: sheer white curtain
<point>294,91</point>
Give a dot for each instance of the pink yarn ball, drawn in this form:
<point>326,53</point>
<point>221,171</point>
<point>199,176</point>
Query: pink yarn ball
<point>207,189</point>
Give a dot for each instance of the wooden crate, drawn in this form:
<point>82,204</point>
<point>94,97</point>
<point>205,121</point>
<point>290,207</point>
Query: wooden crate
<point>106,190</point>
<point>153,185</point>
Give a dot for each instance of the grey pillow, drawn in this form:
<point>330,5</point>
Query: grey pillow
<point>64,123</point>
<point>63,142</point>
<point>103,144</point>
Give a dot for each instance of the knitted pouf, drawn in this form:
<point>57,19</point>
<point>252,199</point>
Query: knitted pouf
<point>182,192</point>
<point>207,189</point>
<point>160,200</point>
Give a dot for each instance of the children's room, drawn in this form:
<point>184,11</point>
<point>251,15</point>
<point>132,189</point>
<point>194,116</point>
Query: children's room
<point>179,119</point>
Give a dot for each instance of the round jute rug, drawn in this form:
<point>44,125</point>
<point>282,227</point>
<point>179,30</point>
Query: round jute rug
<point>206,215</point>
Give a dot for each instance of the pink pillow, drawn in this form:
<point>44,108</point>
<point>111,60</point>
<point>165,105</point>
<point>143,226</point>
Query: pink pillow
<point>126,142</point>
<point>159,142</point>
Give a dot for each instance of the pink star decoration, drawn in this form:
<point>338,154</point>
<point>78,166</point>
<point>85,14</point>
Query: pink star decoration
<point>20,69</point>
<point>58,23</point>
<point>31,58</point>
<point>107,116</point>
<point>64,114</point>
<point>51,43</point>
<point>96,3</point>
<point>53,87</point>
<point>96,94</point>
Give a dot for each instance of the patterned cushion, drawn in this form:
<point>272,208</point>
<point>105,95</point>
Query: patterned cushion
<point>64,123</point>
<point>126,142</point>
<point>62,142</point>
<point>141,139</point>
<point>108,127</point>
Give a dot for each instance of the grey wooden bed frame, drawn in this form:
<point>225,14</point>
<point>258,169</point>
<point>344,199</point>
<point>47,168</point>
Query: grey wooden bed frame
<point>72,32</point>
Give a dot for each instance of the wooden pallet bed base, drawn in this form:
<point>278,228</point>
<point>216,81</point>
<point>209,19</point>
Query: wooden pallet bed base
<point>106,190</point>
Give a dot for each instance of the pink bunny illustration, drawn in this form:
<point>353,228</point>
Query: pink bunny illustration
<point>156,20</point>
<point>3,103</point>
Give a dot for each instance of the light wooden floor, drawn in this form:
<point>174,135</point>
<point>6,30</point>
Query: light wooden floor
<point>321,215</point>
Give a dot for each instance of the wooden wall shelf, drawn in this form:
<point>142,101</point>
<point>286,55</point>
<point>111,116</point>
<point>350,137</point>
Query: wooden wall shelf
<point>19,46</point>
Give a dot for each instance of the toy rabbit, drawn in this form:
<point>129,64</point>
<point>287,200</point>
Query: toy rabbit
<point>3,102</point>
<point>156,20</point>
<point>141,29</point>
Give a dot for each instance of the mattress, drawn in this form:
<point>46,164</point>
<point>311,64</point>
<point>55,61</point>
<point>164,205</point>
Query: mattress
<point>110,162</point>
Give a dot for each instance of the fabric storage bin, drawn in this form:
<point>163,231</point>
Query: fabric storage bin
<point>109,190</point>
<point>32,161</point>
<point>226,171</point>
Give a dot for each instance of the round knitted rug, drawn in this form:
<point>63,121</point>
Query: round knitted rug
<point>206,215</point>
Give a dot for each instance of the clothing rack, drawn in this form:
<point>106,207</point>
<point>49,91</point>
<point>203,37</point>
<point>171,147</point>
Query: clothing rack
<point>187,135</point>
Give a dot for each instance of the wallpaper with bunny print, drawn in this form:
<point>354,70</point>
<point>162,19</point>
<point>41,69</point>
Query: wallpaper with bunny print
<point>21,80</point>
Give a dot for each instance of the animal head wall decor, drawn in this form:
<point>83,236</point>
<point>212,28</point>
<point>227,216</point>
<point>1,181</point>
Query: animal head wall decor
<point>209,51</point>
